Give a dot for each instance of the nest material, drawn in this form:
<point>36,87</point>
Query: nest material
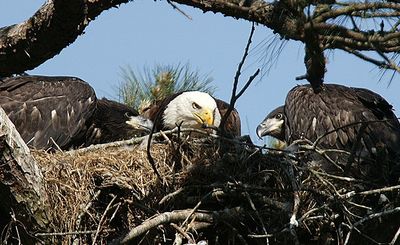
<point>213,191</point>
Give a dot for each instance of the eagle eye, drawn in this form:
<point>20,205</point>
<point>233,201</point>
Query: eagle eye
<point>196,106</point>
<point>279,116</point>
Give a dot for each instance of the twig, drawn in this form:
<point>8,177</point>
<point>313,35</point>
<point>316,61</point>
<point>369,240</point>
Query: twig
<point>16,227</point>
<point>377,191</point>
<point>370,192</point>
<point>179,10</point>
<point>102,219</point>
<point>194,209</point>
<point>378,63</point>
<point>348,179</point>
<point>170,196</point>
<point>184,233</point>
<point>120,143</point>
<point>234,96</point>
<point>311,211</point>
<point>178,216</point>
<point>164,218</point>
<point>149,156</point>
<point>296,199</point>
<point>85,209</point>
<point>242,240</point>
<point>54,142</point>
<point>369,217</point>
<point>258,215</point>
<point>72,233</point>
<point>396,236</point>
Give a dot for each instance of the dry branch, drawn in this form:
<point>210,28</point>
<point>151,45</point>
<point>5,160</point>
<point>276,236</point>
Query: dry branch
<point>235,96</point>
<point>21,180</point>
<point>26,45</point>
<point>179,216</point>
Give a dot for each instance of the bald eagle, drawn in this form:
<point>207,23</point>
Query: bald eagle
<point>355,120</point>
<point>194,109</point>
<point>64,112</point>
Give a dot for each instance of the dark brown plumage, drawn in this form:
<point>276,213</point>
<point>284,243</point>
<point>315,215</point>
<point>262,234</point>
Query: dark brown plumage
<point>310,115</point>
<point>65,111</point>
<point>233,125</point>
<point>360,122</point>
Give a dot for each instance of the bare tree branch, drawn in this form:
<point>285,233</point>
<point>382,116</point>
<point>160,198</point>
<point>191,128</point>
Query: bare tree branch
<point>26,45</point>
<point>235,96</point>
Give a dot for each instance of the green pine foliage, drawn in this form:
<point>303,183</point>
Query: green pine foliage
<point>138,89</point>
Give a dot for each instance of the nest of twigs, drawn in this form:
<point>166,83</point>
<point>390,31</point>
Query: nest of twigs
<point>212,192</point>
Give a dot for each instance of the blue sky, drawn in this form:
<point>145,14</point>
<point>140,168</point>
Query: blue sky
<point>146,33</point>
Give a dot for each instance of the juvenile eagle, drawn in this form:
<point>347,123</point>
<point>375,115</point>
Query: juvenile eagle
<point>65,111</point>
<point>193,109</point>
<point>356,120</point>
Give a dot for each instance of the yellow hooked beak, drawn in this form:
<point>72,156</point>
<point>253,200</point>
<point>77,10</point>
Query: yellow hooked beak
<point>205,116</point>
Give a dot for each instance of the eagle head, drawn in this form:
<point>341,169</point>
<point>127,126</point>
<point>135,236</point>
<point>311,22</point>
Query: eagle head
<point>192,109</point>
<point>273,125</point>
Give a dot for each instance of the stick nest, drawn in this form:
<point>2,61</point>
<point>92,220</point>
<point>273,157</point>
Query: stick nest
<point>211,192</point>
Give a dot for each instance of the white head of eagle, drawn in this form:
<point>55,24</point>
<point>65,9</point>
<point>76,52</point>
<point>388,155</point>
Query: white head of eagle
<point>192,109</point>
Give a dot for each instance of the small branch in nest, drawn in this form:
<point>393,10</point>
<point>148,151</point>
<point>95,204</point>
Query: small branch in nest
<point>195,209</point>
<point>258,215</point>
<point>375,191</point>
<point>370,217</point>
<point>237,233</point>
<point>295,189</point>
<point>148,148</point>
<point>235,96</point>
<point>183,233</point>
<point>164,218</point>
<point>179,216</point>
<point>85,209</point>
<point>73,233</point>
<point>102,219</point>
<point>396,236</point>
<point>306,145</point>
<point>169,196</point>
<point>347,179</point>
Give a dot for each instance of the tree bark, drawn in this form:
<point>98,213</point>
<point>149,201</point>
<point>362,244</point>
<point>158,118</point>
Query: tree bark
<point>58,23</point>
<point>23,198</point>
<point>53,27</point>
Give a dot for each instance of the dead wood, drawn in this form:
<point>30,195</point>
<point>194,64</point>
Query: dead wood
<point>23,197</point>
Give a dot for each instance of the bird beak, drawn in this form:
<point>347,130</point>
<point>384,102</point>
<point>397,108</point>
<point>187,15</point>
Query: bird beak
<point>205,116</point>
<point>269,127</point>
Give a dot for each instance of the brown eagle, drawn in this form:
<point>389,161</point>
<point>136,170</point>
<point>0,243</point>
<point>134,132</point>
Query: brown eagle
<point>63,112</point>
<point>355,120</point>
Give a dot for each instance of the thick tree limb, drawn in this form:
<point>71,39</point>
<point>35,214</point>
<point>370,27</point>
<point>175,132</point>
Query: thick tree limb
<point>26,45</point>
<point>272,15</point>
